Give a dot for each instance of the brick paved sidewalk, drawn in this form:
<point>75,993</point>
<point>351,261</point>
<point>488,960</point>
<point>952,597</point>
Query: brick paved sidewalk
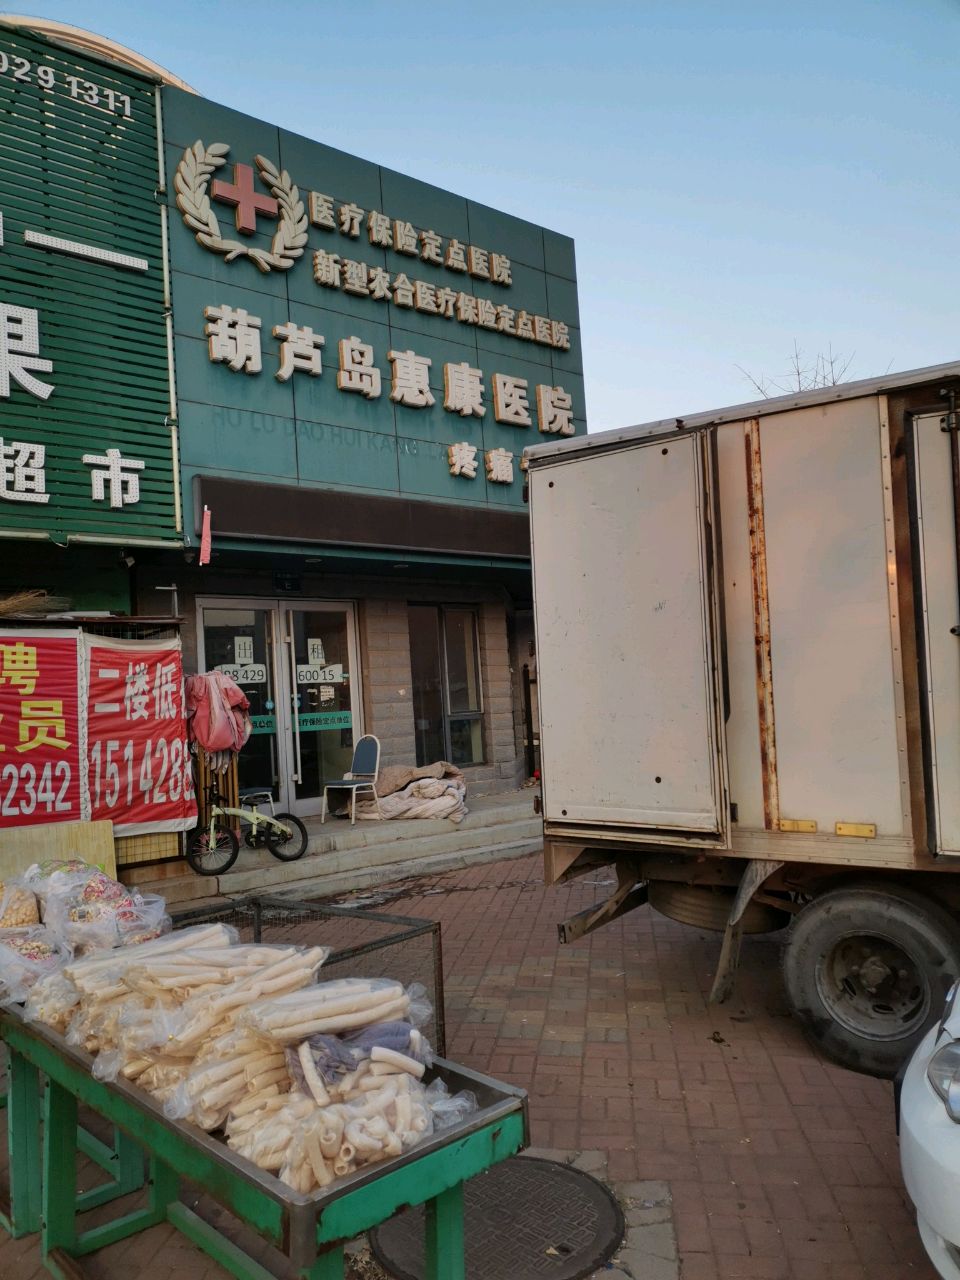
<point>780,1166</point>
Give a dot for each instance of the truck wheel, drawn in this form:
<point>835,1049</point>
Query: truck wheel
<point>866,969</point>
<point>706,907</point>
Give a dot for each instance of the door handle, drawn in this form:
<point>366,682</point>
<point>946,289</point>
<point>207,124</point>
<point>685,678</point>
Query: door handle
<point>277,750</point>
<point>294,697</point>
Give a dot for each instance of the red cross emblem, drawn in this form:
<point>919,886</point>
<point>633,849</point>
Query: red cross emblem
<point>248,202</point>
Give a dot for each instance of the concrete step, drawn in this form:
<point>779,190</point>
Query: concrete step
<point>340,836</point>
<point>483,811</point>
<point>336,873</point>
<point>331,883</point>
<point>252,868</point>
<point>341,857</point>
<point>182,889</point>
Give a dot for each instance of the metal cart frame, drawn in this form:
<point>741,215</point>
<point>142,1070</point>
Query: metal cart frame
<point>309,1229</point>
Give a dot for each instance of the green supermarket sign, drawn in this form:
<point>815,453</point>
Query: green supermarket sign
<point>86,427</point>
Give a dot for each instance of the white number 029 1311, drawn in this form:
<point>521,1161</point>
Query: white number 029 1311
<point>94,95</point>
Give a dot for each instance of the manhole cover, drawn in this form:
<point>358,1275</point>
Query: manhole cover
<point>524,1218</point>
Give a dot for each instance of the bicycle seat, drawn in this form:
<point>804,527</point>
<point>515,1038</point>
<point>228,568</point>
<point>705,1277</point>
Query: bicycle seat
<point>256,795</point>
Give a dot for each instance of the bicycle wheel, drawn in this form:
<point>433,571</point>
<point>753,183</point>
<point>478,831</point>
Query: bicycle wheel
<point>290,844</point>
<point>212,858</point>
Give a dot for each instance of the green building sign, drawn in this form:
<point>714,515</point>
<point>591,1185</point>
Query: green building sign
<point>343,327</point>
<point>86,427</point>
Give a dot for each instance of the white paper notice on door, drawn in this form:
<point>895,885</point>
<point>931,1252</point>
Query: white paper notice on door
<point>310,674</point>
<point>252,673</point>
<point>315,654</point>
<point>243,650</point>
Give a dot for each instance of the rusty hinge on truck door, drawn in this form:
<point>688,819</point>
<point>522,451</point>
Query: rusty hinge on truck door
<point>949,421</point>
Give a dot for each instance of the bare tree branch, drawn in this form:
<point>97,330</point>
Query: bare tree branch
<point>761,386</point>
<point>827,369</point>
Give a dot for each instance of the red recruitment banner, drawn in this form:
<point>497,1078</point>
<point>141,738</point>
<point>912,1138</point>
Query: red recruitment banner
<point>41,730</point>
<point>139,767</point>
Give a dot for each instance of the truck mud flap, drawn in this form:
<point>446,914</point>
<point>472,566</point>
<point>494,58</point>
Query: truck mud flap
<point>755,872</point>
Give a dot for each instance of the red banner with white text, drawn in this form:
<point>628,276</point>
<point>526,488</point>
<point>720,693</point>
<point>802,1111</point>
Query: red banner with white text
<point>41,728</point>
<point>139,766</point>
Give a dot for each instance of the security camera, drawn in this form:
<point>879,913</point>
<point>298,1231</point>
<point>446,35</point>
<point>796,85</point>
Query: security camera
<point>127,559</point>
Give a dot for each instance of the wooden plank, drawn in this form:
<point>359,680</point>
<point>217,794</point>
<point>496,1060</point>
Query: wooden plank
<point>227,784</point>
<point>91,841</point>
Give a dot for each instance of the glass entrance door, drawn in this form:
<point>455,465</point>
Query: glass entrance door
<point>321,652</point>
<point>298,665</point>
<point>239,639</point>
<point>446,684</point>
<point>426,669</point>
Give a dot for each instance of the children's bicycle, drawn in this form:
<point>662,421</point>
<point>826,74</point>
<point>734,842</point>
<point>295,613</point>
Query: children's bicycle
<point>214,847</point>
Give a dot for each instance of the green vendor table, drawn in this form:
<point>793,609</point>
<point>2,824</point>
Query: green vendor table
<point>310,1230</point>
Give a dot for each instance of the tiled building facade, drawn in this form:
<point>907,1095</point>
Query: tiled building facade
<point>311,452</point>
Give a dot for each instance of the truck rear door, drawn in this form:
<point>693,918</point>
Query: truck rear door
<point>936,501</point>
<point>627,642</point>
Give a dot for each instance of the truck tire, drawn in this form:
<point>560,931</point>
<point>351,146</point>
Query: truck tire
<point>866,968</point>
<point>707,907</point>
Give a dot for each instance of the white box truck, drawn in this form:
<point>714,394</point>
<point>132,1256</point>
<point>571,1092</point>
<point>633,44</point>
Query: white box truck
<point>748,674</point>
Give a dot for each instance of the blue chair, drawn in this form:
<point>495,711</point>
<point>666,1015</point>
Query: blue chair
<point>364,769</point>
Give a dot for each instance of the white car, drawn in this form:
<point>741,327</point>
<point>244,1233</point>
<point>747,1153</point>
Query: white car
<point>929,1116</point>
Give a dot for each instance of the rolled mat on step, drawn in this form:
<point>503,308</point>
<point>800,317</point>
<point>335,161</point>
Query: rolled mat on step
<point>432,791</point>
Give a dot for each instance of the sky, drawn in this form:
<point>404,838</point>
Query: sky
<point>739,176</point>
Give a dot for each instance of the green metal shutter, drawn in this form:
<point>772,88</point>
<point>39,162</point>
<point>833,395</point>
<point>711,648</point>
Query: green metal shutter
<point>74,165</point>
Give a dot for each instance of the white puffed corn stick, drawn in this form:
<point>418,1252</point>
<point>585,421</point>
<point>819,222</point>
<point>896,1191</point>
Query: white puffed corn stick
<point>278,1076</point>
<point>286,1034</point>
<point>350,1080</point>
<point>360,1139</point>
<point>389,1057</point>
<point>321,1170</point>
<point>257,1101</point>
<point>310,1074</point>
<point>331,1135</point>
<point>324,1002</point>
